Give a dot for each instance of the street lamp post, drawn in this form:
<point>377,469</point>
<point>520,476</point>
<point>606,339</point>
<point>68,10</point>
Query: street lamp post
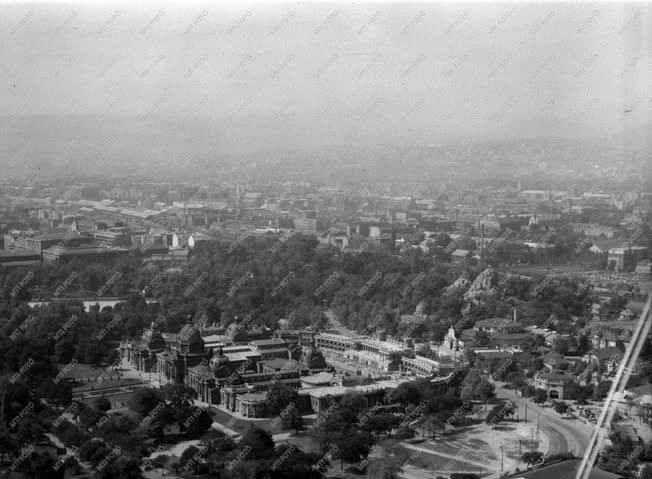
<point>531,440</point>
<point>516,410</point>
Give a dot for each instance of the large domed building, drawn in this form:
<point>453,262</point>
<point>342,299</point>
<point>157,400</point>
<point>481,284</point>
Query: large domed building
<point>190,340</point>
<point>236,376</point>
<point>208,377</point>
<point>220,365</point>
<point>186,350</point>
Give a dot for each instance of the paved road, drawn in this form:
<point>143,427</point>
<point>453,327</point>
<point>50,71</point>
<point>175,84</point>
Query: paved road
<point>481,465</point>
<point>558,442</point>
<point>337,325</point>
<point>566,435</point>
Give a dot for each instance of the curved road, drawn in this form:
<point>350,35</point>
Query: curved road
<point>558,443</point>
<point>566,435</point>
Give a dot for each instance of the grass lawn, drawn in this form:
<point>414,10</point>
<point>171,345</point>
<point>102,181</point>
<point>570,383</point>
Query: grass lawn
<point>108,385</point>
<point>81,370</point>
<point>122,398</point>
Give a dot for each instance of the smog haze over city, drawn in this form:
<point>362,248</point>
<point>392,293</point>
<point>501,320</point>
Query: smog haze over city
<point>88,87</point>
<point>325,240</point>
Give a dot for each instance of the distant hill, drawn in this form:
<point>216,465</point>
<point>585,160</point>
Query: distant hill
<point>44,146</point>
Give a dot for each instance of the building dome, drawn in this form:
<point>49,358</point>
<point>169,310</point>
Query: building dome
<point>153,338</point>
<point>314,358</point>
<point>189,333</point>
<point>189,340</point>
<point>220,364</point>
<point>295,351</point>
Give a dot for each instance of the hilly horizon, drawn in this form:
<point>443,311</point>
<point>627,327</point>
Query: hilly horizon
<point>169,146</point>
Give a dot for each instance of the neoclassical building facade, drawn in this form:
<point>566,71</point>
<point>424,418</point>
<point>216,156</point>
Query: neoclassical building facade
<point>184,352</point>
<point>142,354</point>
<point>236,377</point>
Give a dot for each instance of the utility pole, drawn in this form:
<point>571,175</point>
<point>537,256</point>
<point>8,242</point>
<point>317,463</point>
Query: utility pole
<point>531,440</point>
<point>537,429</point>
<point>526,410</point>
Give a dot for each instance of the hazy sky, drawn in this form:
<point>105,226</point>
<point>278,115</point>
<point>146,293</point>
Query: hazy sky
<point>465,69</point>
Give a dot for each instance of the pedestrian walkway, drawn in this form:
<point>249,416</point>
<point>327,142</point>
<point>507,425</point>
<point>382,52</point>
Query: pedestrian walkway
<point>481,465</point>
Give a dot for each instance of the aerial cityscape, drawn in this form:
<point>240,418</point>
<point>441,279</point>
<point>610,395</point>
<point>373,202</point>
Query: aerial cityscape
<point>323,240</point>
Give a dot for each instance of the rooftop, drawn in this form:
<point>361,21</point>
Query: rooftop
<point>383,345</point>
<point>254,397</point>
<point>279,363</point>
<point>556,377</point>
<point>320,378</point>
<point>241,356</point>
<point>85,250</point>
<point>266,343</point>
<point>55,236</point>
<point>421,360</point>
<point>491,353</point>
<point>216,339</point>
<point>334,337</point>
<point>606,353</point>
